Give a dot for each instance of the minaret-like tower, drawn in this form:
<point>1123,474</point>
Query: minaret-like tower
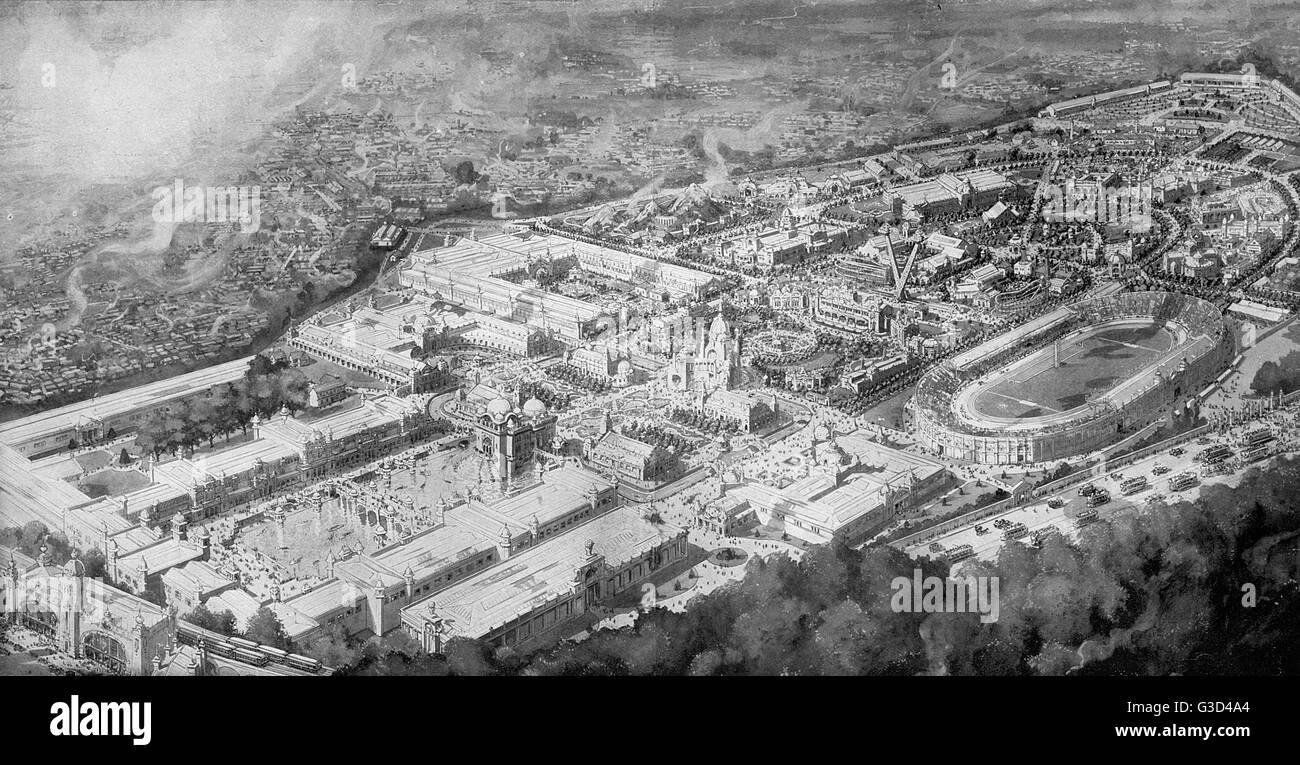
<point>503,543</point>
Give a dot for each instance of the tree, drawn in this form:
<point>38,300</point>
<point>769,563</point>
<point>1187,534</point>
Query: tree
<point>1283,375</point>
<point>842,640</point>
<point>177,433</point>
<point>29,537</point>
<point>260,366</point>
<point>202,421</point>
<point>469,658</point>
<point>95,562</point>
<point>123,457</point>
<point>396,654</point>
<point>265,627</point>
<point>465,174</point>
<point>222,622</point>
<point>152,436</point>
<point>334,649</point>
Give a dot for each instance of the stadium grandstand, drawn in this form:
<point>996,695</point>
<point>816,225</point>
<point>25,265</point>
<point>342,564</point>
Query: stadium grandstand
<point>1074,380</point>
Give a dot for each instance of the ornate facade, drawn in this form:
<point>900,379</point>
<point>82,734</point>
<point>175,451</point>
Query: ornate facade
<point>85,617</point>
<point>508,435</point>
<point>713,364</point>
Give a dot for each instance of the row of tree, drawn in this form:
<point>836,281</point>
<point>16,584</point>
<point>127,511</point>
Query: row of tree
<point>263,626</point>
<point>658,436</point>
<point>555,401</point>
<point>263,390</point>
<point>578,377</point>
<point>708,423</point>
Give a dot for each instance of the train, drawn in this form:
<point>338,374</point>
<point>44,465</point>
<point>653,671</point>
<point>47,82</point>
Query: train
<point>251,656</point>
<point>304,663</point>
<point>247,651</point>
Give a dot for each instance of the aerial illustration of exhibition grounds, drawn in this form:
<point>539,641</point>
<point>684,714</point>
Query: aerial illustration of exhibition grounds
<point>650,338</point>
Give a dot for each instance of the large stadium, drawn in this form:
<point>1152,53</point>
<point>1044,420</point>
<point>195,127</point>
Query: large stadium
<point>1074,380</point>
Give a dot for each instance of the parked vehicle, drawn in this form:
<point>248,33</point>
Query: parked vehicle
<point>1042,534</point>
<point>960,552</point>
<point>1134,485</point>
<point>1015,531</point>
<point>1257,437</point>
<point>1214,455</point>
<point>1256,451</point>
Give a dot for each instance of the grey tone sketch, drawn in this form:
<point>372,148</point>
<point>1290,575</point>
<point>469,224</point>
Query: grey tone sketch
<point>649,337</point>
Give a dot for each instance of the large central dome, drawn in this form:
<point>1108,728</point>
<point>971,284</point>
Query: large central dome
<point>499,407</point>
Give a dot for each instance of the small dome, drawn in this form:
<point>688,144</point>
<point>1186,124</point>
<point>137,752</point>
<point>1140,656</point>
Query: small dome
<point>534,408</point>
<point>821,433</point>
<point>499,407</point>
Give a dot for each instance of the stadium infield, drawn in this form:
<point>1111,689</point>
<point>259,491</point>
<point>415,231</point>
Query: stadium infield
<point>1090,366</point>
